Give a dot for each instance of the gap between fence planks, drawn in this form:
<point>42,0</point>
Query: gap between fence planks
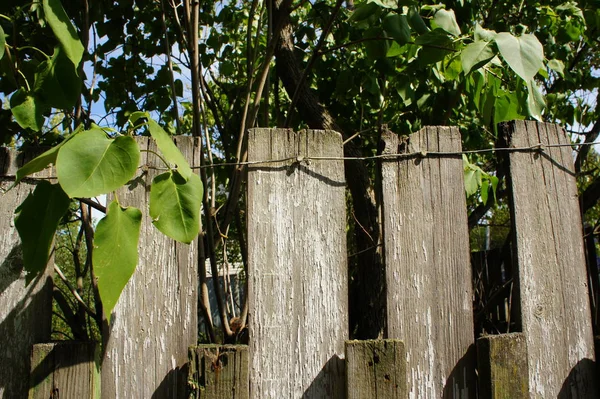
<point>426,240</point>
<point>219,372</point>
<point>552,280</point>
<point>25,311</point>
<point>297,263</point>
<point>155,320</point>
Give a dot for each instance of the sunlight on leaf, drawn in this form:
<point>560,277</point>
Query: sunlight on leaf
<point>27,110</point>
<point>63,29</point>
<point>524,54</point>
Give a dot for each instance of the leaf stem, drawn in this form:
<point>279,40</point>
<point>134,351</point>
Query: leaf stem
<point>34,48</point>
<point>5,17</point>
<point>25,79</point>
<point>159,157</point>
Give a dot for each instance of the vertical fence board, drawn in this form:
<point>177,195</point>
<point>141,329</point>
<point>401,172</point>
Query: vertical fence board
<point>65,369</point>
<point>298,269</point>
<point>502,366</point>
<point>376,369</point>
<point>25,311</point>
<point>219,372</point>
<point>555,312</point>
<point>155,320</point>
<point>429,286</point>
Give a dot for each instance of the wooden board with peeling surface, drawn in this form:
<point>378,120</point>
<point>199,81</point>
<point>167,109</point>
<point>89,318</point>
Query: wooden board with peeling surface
<point>298,293</point>
<point>552,278</point>
<point>429,300</point>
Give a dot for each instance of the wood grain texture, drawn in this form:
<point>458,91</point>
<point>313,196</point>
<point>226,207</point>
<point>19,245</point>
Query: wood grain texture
<point>298,293</point>
<point>429,300</point>
<point>155,320</point>
<point>502,366</point>
<point>25,311</point>
<point>65,370</point>
<point>219,371</point>
<point>376,369</point>
<point>552,281</point>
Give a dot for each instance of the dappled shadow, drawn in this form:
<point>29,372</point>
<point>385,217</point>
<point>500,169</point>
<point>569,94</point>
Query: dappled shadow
<point>581,382</point>
<point>330,382</point>
<point>11,267</point>
<point>461,381</point>
<point>174,385</point>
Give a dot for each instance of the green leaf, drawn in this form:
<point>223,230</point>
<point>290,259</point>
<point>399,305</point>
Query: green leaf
<point>115,253</point>
<point>485,35</point>
<point>175,205</point>
<point>557,66</point>
<point>2,42</point>
<point>36,222</point>
<point>524,54</point>
<point>41,161</point>
<point>63,30</point>
<point>416,22</point>
<point>393,4</point>
<point>485,184</point>
<point>475,55</point>
<point>446,20</point>
<point>535,101</point>
<point>506,108</point>
<point>436,45</point>
<point>57,82</point>
<point>364,11</point>
<point>397,27</point>
<point>165,144</point>
<point>91,164</point>
<point>27,110</point>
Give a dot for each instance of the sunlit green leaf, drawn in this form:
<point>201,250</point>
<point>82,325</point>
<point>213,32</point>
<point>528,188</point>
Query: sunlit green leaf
<point>393,4</point>
<point>446,20</point>
<point>36,222</point>
<point>524,54</point>
<point>91,164</point>
<point>506,108</point>
<point>27,110</point>
<point>535,101</point>
<point>63,29</point>
<point>557,66</point>
<point>485,35</point>
<point>115,253</point>
<point>165,144</point>
<point>175,205</point>
<point>2,42</point>
<point>364,11</point>
<point>476,55</point>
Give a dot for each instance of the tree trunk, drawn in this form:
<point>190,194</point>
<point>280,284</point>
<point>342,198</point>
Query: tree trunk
<point>367,283</point>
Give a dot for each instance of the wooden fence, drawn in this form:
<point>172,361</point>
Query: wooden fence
<point>298,285</point>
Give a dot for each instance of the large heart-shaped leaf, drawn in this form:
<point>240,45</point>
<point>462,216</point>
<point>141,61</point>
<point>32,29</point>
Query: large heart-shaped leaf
<point>165,144</point>
<point>175,205</point>
<point>397,27</point>
<point>63,29</point>
<point>115,253</point>
<point>446,19</point>
<point>27,110</point>
<point>57,83</point>
<point>524,54</point>
<point>36,221</point>
<point>476,55</point>
<point>91,164</point>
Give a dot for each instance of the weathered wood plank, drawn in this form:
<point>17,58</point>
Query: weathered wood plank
<point>155,320</point>
<point>25,311</point>
<point>554,303</point>
<point>65,369</point>
<point>219,371</point>
<point>502,366</point>
<point>376,369</point>
<point>297,265</point>
<point>429,300</point>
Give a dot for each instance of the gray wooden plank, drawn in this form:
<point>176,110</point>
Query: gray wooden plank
<point>25,311</point>
<point>427,258</point>
<point>554,302</point>
<point>297,265</point>
<point>219,371</point>
<point>155,320</point>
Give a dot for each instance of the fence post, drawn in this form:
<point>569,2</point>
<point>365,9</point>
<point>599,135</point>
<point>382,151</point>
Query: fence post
<point>297,263</point>
<point>25,311</point>
<point>155,320</point>
<point>219,371</point>
<point>502,366</point>
<point>65,369</point>
<point>551,277</point>
<point>376,369</point>
<point>429,288</point>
